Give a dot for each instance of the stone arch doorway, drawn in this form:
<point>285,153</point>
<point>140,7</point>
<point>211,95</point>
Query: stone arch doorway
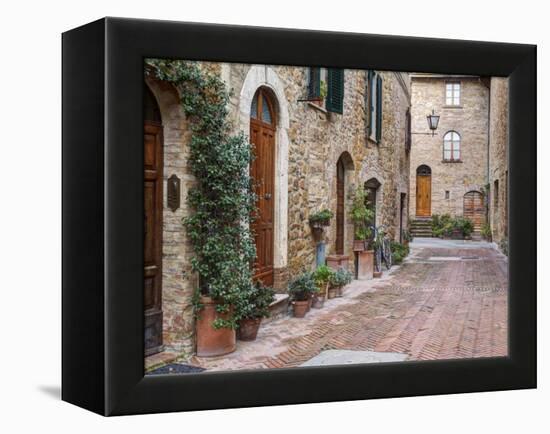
<point>262,135</point>
<point>474,209</point>
<point>266,78</point>
<point>153,143</point>
<point>423,191</point>
<point>345,162</point>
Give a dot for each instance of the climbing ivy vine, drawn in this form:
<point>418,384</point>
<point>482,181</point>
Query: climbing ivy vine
<point>223,199</point>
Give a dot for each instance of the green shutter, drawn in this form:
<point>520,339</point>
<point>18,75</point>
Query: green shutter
<point>368,103</point>
<point>335,90</point>
<point>314,85</point>
<point>378,108</point>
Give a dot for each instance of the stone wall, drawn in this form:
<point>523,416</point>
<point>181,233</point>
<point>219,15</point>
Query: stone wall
<point>498,158</point>
<point>309,142</point>
<point>470,120</point>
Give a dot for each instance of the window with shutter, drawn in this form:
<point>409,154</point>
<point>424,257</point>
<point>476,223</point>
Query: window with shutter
<point>368,103</point>
<point>314,85</point>
<point>335,90</point>
<point>378,108</point>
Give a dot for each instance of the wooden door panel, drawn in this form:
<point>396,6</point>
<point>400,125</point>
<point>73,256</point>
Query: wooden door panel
<point>340,206</point>
<point>262,170</point>
<point>474,209</point>
<point>152,237</point>
<point>423,195</point>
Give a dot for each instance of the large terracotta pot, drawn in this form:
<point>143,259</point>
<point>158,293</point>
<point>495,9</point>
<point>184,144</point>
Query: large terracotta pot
<point>300,308</point>
<point>213,342</point>
<point>365,265</point>
<point>358,245</point>
<point>248,329</point>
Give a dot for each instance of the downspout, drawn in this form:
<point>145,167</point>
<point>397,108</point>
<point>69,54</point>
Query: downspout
<point>488,217</point>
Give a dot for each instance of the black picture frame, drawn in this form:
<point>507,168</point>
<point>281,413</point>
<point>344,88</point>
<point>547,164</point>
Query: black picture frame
<point>102,294</point>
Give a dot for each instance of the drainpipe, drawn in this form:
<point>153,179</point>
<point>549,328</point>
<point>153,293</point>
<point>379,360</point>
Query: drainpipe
<point>488,151</point>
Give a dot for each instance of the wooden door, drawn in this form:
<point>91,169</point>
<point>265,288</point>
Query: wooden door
<point>423,195</point>
<point>153,144</point>
<point>340,205</point>
<point>474,209</point>
<point>262,170</point>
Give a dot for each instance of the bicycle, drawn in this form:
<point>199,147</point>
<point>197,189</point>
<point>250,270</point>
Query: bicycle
<point>382,248</point>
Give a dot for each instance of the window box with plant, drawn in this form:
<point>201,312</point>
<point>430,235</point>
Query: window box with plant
<point>253,306</point>
<point>320,219</point>
<point>301,290</point>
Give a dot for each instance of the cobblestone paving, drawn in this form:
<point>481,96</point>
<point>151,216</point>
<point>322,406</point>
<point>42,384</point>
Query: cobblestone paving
<point>442,303</point>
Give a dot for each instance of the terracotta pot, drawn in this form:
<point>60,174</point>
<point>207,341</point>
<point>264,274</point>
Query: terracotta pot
<point>358,245</point>
<point>377,274</point>
<point>318,301</point>
<point>300,308</point>
<point>340,291</point>
<point>213,342</point>
<point>248,329</point>
<point>332,292</point>
<point>365,265</point>
<point>309,302</point>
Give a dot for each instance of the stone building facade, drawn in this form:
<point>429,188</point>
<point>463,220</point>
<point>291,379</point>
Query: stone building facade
<point>453,171</point>
<point>367,140</point>
<point>465,171</point>
<point>498,159</point>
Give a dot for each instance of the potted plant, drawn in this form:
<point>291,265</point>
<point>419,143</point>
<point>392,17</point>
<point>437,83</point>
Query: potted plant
<point>320,219</point>
<point>361,216</point>
<point>339,279</point>
<point>300,290</point>
<point>323,91</point>
<point>321,276</point>
<point>252,307</point>
<point>486,232</point>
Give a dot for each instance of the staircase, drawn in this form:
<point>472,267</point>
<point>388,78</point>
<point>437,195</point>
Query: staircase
<point>421,227</point>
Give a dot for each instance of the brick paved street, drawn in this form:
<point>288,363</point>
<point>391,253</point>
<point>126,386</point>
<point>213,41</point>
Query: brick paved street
<point>448,300</point>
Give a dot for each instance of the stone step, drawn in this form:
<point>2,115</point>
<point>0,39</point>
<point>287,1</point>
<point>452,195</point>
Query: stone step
<point>278,307</point>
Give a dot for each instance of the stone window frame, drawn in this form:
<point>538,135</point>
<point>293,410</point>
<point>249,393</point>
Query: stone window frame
<point>456,96</point>
<point>452,149</point>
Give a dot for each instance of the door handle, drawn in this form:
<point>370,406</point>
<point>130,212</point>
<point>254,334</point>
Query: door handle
<point>267,196</point>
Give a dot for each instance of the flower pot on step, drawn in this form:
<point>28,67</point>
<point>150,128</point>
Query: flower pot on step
<point>248,329</point>
<point>358,245</point>
<point>212,342</point>
<point>318,301</point>
<point>332,292</point>
<point>300,308</point>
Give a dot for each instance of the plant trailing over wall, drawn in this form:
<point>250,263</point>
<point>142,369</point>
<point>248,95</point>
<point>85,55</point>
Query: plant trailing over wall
<point>361,215</point>
<point>223,245</point>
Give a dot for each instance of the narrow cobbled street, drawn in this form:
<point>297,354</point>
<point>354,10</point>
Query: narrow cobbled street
<point>447,300</point>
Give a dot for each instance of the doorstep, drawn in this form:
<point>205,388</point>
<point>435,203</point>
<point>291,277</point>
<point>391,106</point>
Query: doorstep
<point>159,359</point>
<point>278,308</point>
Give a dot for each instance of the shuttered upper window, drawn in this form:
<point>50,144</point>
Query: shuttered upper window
<point>331,82</point>
<point>374,106</point>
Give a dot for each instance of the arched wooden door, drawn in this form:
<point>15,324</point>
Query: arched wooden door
<point>153,162</point>
<point>474,209</point>
<point>262,170</point>
<point>423,191</point>
<point>340,205</point>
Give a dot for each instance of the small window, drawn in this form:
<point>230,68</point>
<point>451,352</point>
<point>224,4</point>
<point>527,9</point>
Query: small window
<point>452,94</point>
<point>451,146</point>
<point>447,194</point>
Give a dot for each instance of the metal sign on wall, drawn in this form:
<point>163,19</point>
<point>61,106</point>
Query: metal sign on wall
<point>173,192</point>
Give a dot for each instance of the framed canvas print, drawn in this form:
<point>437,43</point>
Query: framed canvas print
<point>258,216</point>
